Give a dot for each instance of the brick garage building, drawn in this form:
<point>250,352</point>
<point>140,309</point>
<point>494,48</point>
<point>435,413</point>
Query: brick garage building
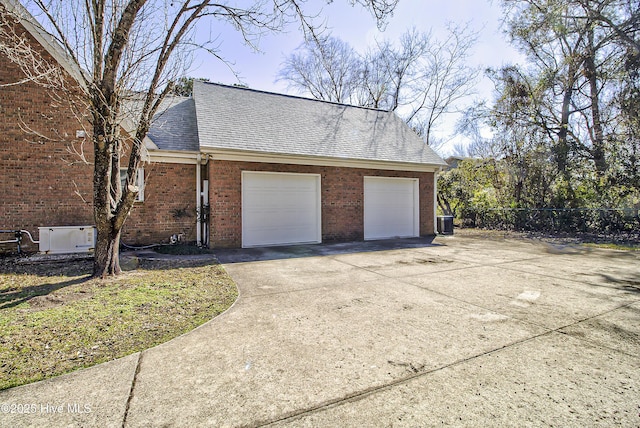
<point>285,169</point>
<point>229,167</point>
<point>342,199</point>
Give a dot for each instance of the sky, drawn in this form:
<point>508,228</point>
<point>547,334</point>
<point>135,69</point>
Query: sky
<point>355,25</point>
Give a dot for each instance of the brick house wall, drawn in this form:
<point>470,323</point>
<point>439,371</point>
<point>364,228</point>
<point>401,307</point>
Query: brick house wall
<point>342,199</point>
<point>169,206</point>
<point>41,182</point>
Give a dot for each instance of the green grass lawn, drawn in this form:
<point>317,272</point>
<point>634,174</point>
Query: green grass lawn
<point>55,319</point>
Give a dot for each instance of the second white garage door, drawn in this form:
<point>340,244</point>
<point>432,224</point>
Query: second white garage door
<point>280,208</point>
<point>391,208</point>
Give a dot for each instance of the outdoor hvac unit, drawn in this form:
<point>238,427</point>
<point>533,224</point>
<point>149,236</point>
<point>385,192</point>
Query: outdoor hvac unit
<point>445,225</point>
<point>67,239</point>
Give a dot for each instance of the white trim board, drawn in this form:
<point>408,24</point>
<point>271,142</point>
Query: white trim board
<point>248,156</point>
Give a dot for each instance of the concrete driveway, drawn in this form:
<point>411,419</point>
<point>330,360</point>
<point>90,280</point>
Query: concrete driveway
<point>458,331</point>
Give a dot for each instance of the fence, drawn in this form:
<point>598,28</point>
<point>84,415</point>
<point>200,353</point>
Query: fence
<point>586,220</point>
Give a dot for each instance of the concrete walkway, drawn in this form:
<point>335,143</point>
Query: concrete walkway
<point>460,332</point>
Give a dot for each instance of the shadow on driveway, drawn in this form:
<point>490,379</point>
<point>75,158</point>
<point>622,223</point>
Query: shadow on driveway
<point>240,255</point>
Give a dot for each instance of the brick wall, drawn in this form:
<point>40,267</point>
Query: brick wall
<point>41,182</point>
<point>342,199</point>
<point>169,206</point>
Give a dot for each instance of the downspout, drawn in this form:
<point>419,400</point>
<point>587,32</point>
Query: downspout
<point>204,197</point>
<point>198,201</point>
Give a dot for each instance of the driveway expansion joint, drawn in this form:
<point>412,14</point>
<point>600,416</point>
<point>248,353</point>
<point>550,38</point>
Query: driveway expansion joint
<point>131,389</point>
<point>593,343</point>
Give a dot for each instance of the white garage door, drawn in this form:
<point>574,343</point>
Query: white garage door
<point>391,208</point>
<point>280,208</point>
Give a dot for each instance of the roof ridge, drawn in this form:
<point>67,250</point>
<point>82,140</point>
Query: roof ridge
<point>298,97</point>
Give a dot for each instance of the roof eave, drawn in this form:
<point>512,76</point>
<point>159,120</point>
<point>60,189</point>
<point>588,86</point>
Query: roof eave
<point>46,40</point>
<point>173,156</point>
<point>283,158</point>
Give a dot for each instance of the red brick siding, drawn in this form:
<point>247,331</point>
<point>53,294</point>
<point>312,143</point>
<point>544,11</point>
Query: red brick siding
<point>342,199</point>
<point>169,206</point>
<point>43,184</point>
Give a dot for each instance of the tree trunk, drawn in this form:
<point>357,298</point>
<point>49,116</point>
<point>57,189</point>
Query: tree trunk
<point>597,134</point>
<point>102,148</point>
<point>109,224</point>
<point>111,206</point>
<point>107,254</point>
<point>562,149</point>
<point>444,205</point>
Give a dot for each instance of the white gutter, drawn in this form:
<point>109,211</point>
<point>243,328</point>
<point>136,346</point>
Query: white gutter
<point>253,156</point>
<point>435,202</point>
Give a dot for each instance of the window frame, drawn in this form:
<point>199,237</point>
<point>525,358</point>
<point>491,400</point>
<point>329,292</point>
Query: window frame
<point>139,182</point>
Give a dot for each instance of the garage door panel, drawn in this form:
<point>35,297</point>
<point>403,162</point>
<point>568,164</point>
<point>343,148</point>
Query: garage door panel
<point>280,208</point>
<point>390,207</point>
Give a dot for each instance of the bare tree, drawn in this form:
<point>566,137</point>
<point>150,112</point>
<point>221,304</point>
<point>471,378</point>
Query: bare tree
<point>17,48</point>
<point>326,67</point>
<point>136,49</point>
<point>445,79</point>
<point>374,88</point>
<point>420,78</point>
<point>401,67</point>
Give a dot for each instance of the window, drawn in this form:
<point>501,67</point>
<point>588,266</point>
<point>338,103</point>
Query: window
<point>139,182</point>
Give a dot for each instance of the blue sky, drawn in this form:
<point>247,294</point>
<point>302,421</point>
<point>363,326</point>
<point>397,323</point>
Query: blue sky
<point>355,25</point>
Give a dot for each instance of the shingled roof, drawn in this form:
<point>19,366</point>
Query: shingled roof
<point>234,118</point>
<point>175,127</point>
